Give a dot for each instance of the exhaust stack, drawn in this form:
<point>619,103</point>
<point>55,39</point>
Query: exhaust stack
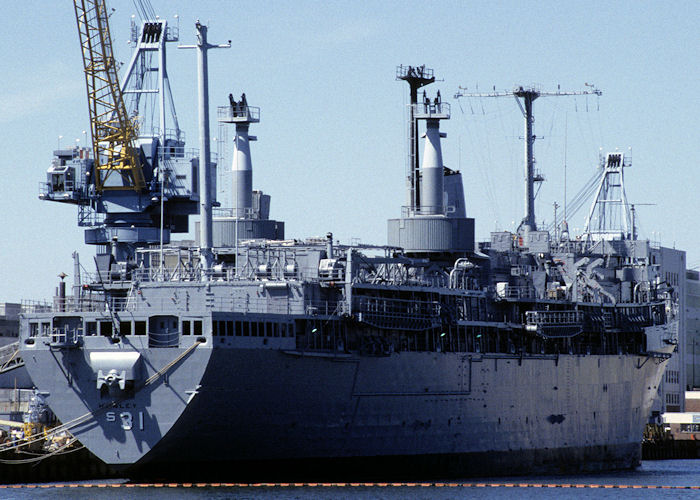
<point>250,211</point>
<point>433,185</point>
<point>242,166</point>
<point>434,221</point>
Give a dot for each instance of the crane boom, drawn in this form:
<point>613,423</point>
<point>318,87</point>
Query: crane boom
<point>113,133</point>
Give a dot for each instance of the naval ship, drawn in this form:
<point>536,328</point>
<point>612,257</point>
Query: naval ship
<point>249,354</point>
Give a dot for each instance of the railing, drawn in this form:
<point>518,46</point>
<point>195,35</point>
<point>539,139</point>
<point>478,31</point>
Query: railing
<point>88,217</point>
<point>431,109</point>
<point>398,313</point>
<point>237,304</point>
<point>264,272</point>
<point>555,324</point>
<point>243,213</point>
<point>550,318</point>
<point>65,337</point>
<point>413,72</point>
<point>36,306</point>
<point>71,304</point>
<point>45,188</point>
<point>409,211</point>
<point>517,292</point>
<point>238,113</point>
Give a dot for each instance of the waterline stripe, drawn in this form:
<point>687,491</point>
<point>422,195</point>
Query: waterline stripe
<point>347,485</point>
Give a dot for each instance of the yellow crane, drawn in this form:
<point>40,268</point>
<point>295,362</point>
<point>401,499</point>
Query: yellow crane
<point>113,132</point>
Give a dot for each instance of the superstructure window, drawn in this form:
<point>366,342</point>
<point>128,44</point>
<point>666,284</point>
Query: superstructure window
<point>185,327</point>
<point>125,327</point>
<point>106,328</point>
<point>231,328</point>
<point>140,327</point>
<point>91,328</point>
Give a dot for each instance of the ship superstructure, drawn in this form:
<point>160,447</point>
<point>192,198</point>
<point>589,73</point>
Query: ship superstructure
<point>525,353</point>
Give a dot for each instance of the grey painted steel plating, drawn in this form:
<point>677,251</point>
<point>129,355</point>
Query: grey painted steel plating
<point>282,404</point>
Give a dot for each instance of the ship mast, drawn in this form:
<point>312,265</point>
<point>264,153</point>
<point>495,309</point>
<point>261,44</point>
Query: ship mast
<point>416,77</point>
<point>205,190</point>
<point>528,96</point>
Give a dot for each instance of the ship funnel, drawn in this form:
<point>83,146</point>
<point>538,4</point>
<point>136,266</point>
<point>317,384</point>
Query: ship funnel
<point>241,115</point>
<point>434,222</point>
<point>242,166</point>
<point>249,214</point>
<point>432,178</point>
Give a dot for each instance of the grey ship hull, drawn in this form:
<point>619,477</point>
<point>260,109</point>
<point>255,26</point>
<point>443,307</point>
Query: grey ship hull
<point>353,358</point>
<point>459,413</point>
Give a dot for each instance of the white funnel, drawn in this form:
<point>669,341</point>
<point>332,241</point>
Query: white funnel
<point>432,183</point>
<point>242,173</point>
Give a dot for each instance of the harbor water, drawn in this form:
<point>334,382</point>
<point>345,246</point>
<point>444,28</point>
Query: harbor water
<point>654,479</point>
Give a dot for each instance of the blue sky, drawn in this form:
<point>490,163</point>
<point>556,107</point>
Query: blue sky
<point>331,148</point>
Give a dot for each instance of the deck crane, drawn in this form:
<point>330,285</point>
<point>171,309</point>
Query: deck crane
<point>113,132</point>
<point>138,185</point>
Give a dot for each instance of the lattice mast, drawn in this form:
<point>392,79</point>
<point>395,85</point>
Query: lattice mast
<point>611,216</point>
<point>528,96</point>
<point>147,75</point>
<point>113,133</point>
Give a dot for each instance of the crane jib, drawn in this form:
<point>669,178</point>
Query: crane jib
<point>117,165</point>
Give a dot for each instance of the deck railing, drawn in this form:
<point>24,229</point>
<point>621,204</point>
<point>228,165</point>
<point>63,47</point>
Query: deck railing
<point>259,305</point>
